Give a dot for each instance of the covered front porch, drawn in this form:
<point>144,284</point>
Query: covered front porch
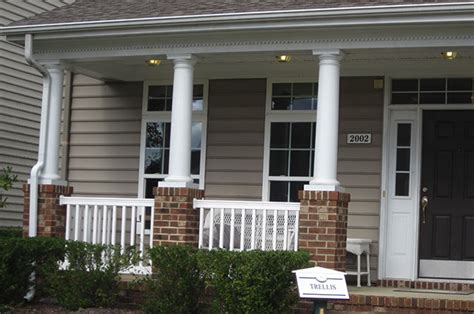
<point>222,117</point>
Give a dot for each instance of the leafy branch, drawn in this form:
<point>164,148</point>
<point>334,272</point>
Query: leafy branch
<point>7,179</point>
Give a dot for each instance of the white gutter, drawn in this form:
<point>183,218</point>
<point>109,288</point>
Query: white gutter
<point>364,12</point>
<point>33,219</point>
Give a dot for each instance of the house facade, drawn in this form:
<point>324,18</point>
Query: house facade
<point>375,101</point>
<point>20,101</point>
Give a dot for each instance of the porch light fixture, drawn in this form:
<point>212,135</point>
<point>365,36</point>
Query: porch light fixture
<point>283,58</point>
<point>449,55</point>
<point>153,62</point>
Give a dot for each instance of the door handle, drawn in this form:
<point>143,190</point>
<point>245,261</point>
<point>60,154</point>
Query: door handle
<point>424,204</point>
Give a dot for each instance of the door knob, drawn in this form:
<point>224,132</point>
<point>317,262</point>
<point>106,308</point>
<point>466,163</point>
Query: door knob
<point>424,204</point>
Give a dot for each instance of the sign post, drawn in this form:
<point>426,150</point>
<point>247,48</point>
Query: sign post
<point>321,284</point>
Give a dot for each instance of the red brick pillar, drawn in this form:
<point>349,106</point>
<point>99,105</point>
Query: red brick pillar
<point>176,221</point>
<point>51,216</point>
<point>323,227</point>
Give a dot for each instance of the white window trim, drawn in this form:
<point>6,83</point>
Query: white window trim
<point>165,116</point>
<point>281,116</point>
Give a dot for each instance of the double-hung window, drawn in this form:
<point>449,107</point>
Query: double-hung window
<point>155,135</point>
<point>290,130</point>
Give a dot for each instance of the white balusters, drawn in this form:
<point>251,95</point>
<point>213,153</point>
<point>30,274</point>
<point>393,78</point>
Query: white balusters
<point>267,226</point>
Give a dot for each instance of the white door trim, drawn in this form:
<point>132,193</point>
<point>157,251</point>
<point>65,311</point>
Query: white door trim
<point>417,117</point>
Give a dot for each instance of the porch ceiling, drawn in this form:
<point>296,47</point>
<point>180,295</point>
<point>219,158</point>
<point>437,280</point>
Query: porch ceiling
<point>357,62</point>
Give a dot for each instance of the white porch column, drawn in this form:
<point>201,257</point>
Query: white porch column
<point>50,173</point>
<point>181,123</point>
<point>327,124</point>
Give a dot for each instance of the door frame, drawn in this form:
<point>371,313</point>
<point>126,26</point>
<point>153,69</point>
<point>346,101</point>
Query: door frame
<point>415,114</point>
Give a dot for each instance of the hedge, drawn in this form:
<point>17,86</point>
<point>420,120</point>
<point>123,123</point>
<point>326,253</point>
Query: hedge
<point>239,282</point>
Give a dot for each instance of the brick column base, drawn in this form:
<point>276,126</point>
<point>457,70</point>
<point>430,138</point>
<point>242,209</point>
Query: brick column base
<point>51,216</point>
<point>323,227</point>
<point>176,221</point>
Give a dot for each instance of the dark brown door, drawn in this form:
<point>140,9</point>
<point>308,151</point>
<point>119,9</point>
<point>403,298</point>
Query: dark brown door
<point>447,226</point>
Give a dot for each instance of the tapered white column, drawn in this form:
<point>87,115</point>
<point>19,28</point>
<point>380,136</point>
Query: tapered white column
<point>181,123</point>
<point>50,173</point>
<point>327,124</point>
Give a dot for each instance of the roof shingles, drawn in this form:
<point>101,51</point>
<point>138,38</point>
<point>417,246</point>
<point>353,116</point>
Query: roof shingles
<point>101,10</point>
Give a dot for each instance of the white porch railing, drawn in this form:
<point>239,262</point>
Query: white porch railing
<point>108,221</point>
<point>242,225</point>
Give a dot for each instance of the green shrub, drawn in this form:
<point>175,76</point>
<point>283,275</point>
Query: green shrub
<point>253,281</point>
<point>12,232</point>
<point>239,282</point>
<point>19,258</point>
<point>7,178</point>
<point>176,284</point>
<point>92,276</point>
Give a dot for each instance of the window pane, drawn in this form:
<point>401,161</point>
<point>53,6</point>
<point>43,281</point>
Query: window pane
<point>195,161</point>
<point>169,91</point>
<point>198,91</point>
<point>196,135</point>
<point>166,161</point>
<point>156,91</point>
<point>315,89</point>
<point>154,134</point>
<point>280,135</point>
<point>295,187</point>
<point>302,89</point>
<point>156,104</point>
<point>167,134</point>
<point>197,104</point>
<point>278,163</point>
<point>464,84</point>
<point>460,98</point>
<point>402,184</point>
<point>301,135</point>
<point>149,185</point>
<point>433,85</point>
<point>404,134</point>
<point>299,165</point>
<point>404,99</point>
<point>282,103</point>
<point>403,159</point>
<point>281,89</point>
<point>432,98</point>
<point>279,191</point>
<point>302,103</point>
<point>405,85</point>
<point>153,160</point>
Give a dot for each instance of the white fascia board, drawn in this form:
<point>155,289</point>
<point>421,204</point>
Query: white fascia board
<point>372,15</point>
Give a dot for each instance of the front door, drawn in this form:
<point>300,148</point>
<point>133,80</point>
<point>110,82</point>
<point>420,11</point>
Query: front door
<point>446,248</point>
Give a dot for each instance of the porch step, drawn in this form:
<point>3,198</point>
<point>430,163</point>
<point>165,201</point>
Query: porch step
<point>392,300</point>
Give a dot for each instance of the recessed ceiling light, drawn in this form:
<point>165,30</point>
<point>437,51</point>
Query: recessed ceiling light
<point>449,55</point>
<point>153,62</point>
<point>283,58</point>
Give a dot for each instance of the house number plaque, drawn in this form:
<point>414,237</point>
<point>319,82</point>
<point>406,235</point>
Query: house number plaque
<point>359,138</point>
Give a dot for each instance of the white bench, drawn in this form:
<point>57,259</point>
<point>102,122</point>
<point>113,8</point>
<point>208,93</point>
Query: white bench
<point>358,247</point>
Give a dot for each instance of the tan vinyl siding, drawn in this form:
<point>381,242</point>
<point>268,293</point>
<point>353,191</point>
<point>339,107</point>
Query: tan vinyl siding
<point>360,166</point>
<point>235,134</point>
<point>104,137</point>
<point>20,101</point>
<point>236,124</point>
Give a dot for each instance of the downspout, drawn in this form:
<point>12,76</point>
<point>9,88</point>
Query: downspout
<point>35,171</point>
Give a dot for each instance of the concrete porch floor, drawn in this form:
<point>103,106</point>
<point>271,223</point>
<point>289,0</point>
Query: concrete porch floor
<point>393,292</point>
<point>389,300</point>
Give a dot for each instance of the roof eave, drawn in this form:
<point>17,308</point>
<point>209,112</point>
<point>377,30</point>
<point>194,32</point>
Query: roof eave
<point>373,15</point>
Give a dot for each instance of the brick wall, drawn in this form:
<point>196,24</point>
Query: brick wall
<point>176,221</point>
<point>51,216</point>
<point>323,227</point>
